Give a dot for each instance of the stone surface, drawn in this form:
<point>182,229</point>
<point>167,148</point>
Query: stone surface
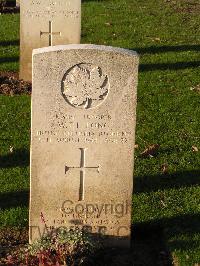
<point>18,3</point>
<point>37,19</point>
<point>83,133</point>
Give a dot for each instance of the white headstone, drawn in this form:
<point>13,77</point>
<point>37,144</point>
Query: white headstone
<point>44,23</point>
<point>83,133</point>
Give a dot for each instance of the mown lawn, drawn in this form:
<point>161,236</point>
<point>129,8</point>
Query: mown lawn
<point>166,199</point>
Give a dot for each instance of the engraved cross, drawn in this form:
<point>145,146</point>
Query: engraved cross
<point>82,169</point>
<point>50,33</point>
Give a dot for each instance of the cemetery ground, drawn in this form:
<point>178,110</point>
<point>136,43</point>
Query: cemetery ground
<point>166,202</point>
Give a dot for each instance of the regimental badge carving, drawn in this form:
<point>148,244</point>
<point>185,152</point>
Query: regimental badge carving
<point>85,86</point>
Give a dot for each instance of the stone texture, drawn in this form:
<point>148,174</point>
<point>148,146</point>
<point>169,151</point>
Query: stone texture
<point>83,133</point>
<point>36,18</point>
<point>18,3</point>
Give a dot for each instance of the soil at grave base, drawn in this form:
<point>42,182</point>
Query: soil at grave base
<point>10,84</point>
<point>11,239</point>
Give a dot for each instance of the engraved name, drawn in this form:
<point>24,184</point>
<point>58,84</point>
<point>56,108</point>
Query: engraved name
<point>51,14</point>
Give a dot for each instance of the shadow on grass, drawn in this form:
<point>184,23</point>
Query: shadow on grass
<point>168,66</point>
<point>148,245</point>
<point>148,239</point>
<point>9,43</point>
<point>167,48</point>
<point>147,248</point>
<point>10,3</point>
<point>174,227</point>
<point>17,158</point>
<point>14,199</point>
<point>167,181</point>
<point>9,59</point>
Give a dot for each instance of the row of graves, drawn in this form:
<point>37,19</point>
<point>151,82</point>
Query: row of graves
<point>83,124</point>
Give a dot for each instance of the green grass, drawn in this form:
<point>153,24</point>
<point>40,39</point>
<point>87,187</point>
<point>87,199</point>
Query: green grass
<point>9,42</point>
<point>14,159</point>
<point>167,37</point>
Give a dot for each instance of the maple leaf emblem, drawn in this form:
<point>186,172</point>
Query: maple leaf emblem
<point>85,86</point>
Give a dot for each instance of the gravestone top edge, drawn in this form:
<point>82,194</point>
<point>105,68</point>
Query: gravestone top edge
<point>84,47</point>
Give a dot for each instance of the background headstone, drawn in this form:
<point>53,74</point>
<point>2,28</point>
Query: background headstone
<point>83,133</point>
<point>46,22</point>
<point>17,3</point>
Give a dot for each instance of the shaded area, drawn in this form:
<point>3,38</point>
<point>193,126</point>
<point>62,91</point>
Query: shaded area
<point>166,181</point>
<point>9,43</point>
<point>10,10</point>
<point>168,66</point>
<point>167,48</point>
<point>14,199</point>
<point>175,227</point>
<point>9,3</point>
<point>8,6</point>
<point>9,59</point>
<point>19,157</point>
<point>147,248</point>
<point>148,244</point>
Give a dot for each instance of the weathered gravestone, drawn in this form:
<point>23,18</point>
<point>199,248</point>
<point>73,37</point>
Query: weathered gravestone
<point>83,132</point>
<point>44,23</point>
